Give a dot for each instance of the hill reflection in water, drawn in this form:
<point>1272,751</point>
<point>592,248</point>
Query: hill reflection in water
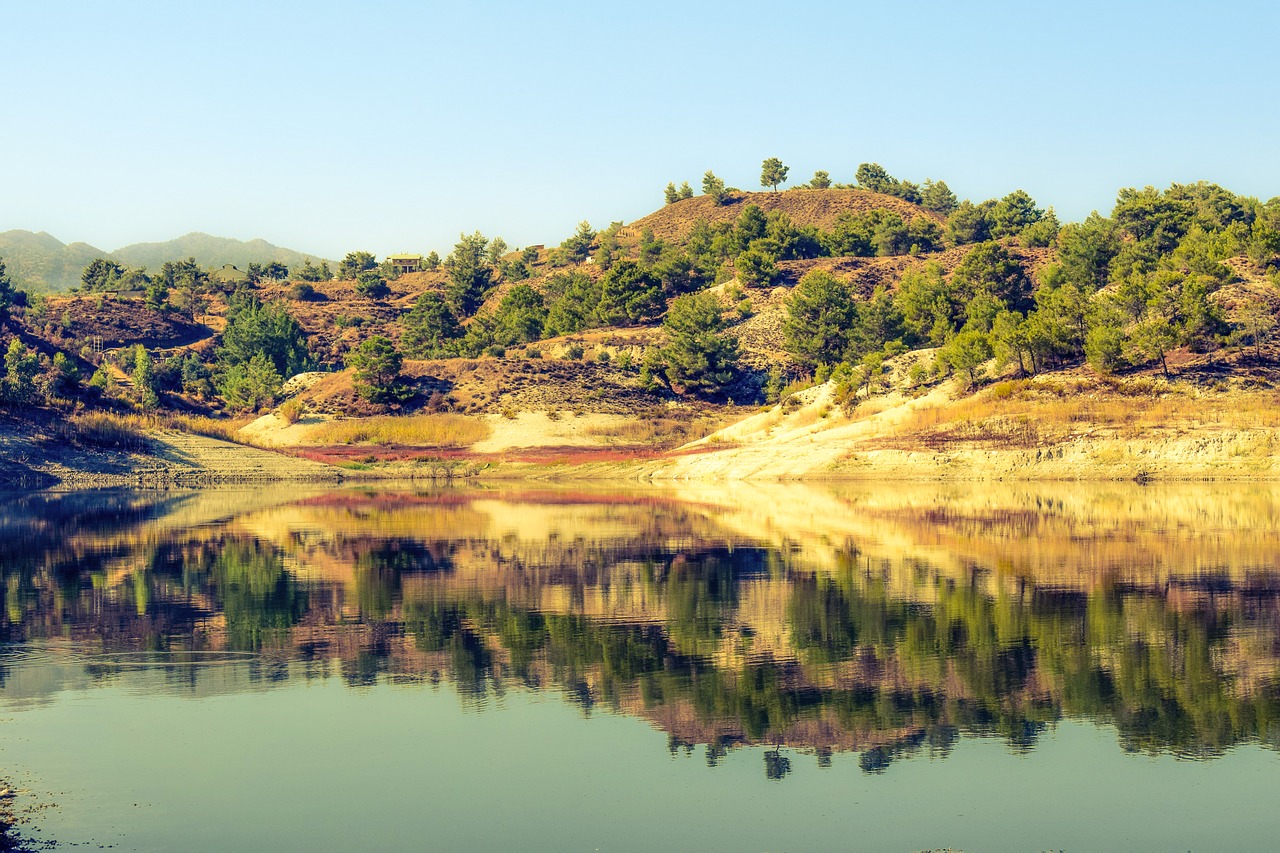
<point>887,620</point>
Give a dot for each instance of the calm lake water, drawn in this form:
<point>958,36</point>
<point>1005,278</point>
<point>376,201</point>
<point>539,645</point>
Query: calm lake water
<point>889,667</point>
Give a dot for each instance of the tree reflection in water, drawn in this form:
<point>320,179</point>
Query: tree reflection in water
<point>654,610</point>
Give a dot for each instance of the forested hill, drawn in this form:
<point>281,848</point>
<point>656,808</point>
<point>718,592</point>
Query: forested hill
<point>719,297</point>
<point>41,263</point>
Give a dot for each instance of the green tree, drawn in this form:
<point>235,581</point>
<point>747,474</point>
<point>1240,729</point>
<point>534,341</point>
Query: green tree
<point>144,379</point>
<point>968,223</point>
<point>432,261</point>
<point>752,225</point>
<point>134,279</point>
<point>853,234</point>
<point>989,268</point>
<point>629,295</point>
<point>250,385</point>
<point>1257,321</point>
<point>575,298</point>
<point>671,194</point>
<point>873,177</point>
<point>578,246</point>
<point>183,275</point>
<point>822,320</point>
<point>1086,250</point>
<point>713,187</point>
<point>697,356</point>
<point>307,272</point>
<point>6,293</point>
<point>20,368</point>
<point>938,197</point>
<point>793,242</point>
<point>1104,346</point>
<point>497,249</point>
<point>65,375</point>
<point>355,263</point>
<point>370,284</point>
<point>266,329</point>
<point>430,329</point>
<point>757,267</point>
<point>1013,213</point>
<point>470,275</point>
<point>520,317</point>
<point>157,295</point>
<point>772,173</point>
<point>967,352</point>
<point>101,274</point>
<point>930,306</point>
<point>1011,341</point>
<point>821,180</point>
<point>686,191</point>
<point>1043,232</point>
<point>880,321</point>
<point>1152,338</point>
<point>377,365</point>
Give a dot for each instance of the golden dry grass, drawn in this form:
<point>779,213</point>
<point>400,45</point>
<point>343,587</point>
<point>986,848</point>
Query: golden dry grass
<point>658,432</point>
<point>104,429</point>
<point>439,430</point>
<point>129,431</point>
<point>1027,412</point>
<point>225,429</point>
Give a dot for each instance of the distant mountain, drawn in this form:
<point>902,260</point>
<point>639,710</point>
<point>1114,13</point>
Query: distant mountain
<point>209,252</point>
<point>42,263</point>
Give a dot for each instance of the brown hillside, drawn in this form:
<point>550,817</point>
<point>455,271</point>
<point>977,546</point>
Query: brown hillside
<point>72,322</point>
<point>497,385</point>
<point>820,208</point>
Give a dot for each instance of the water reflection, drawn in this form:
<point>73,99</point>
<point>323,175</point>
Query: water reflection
<point>884,622</point>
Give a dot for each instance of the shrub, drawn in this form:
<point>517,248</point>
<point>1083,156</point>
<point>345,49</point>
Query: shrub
<point>291,410</point>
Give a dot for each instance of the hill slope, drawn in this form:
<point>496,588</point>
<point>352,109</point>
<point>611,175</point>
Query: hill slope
<point>819,208</point>
<point>40,262</point>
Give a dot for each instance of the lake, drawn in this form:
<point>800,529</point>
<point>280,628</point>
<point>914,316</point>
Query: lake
<point>894,667</point>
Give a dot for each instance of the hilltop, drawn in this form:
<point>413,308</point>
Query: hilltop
<point>816,208</point>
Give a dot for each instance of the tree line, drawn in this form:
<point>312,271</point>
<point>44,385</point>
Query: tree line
<point>1116,291</point>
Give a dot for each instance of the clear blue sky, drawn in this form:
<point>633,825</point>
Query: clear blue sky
<point>328,127</point>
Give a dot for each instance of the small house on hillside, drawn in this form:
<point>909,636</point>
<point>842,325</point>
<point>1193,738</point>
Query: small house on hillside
<point>229,275</point>
<point>406,263</point>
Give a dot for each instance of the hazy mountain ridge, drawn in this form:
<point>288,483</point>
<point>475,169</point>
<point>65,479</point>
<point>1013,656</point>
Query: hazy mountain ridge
<point>40,262</point>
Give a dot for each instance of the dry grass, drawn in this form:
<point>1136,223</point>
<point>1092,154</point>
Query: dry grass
<point>1027,413</point>
<point>415,431</point>
<point>655,432</point>
<point>105,430</point>
<point>224,429</point>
